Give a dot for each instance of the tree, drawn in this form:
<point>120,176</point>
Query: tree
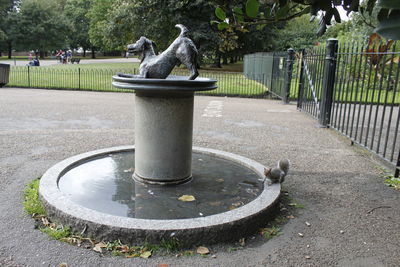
<point>42,26</point>
<point>98,16</point>
<point>264,12</point>
<point>297,34</point>
<point>6,7</point>
<point>156,19</point>
<point>76,14</point>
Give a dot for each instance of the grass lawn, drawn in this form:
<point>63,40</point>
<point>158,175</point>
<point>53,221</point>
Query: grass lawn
<point>97,77</point>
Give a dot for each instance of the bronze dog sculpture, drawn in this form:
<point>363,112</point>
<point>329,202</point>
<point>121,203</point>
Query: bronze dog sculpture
<point>181,51</point>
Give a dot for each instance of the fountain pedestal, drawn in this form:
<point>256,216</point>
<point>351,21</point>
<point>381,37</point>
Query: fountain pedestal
<point>163,126</point>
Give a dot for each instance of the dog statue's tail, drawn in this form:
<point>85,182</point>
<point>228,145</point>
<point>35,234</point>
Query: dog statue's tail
<point>183,29</point>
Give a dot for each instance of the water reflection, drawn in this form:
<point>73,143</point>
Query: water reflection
<point>105,184</point>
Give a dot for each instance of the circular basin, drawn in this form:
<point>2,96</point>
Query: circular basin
<point>226,199</point>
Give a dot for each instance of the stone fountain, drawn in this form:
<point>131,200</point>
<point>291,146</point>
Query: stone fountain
<point>162,187</point>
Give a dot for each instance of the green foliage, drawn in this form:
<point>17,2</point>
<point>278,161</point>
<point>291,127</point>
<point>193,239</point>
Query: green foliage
<point>97,14</point>
<point>220,13</point>
<point>32,203</point>
<point>170,245</point>
<point>297,34</point>
<point>252,7</point>
<point>57,233</point>
<point>270,232</point>
<point>266,12</point>
<point>393,182</point>
<point>42,25</point>
<point>76,14</point>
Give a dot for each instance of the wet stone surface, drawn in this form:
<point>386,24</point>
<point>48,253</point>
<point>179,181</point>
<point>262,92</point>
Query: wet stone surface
<point>105,184</point>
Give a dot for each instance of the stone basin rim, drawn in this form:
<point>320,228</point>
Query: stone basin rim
<point>171,83</point>
<point>57,203</point>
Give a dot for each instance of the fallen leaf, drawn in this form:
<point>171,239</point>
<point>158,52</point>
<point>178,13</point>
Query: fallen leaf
<point>45,221</point>
<point>307,257</point>
<point>215,203</point>
<point>187,198</point>
<point>99,247</point>
<point>203,250</point>
<point>308,224</point>
<point>162,265</point>
<point>301,235</point>
<point>133,255</point>
<point>220,180</point>
<point>123,249</point>
<point>145,254</point>
<point>290,217</point>
<point>242,242</point>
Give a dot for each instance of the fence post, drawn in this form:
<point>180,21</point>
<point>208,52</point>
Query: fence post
<point>29,78</point>
<point>288,76</point>
<point>79,78</point>
<point>397,172</point>
<point>328,82</point>
<point>301,80</point>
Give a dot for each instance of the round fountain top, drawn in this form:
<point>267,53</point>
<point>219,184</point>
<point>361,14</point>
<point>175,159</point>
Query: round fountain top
<point>171,83</point>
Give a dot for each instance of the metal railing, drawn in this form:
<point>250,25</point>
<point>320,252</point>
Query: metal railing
<point>355,91</point>
<point>99,79</point>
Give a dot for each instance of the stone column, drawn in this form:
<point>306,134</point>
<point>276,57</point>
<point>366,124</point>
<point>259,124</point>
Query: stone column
<point>163,137</point>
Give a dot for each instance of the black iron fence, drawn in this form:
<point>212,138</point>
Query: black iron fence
<point>99,79</point>
<point>355,90</point>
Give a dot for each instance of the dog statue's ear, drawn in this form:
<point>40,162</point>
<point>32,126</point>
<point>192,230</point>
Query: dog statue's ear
<point>154,47</point>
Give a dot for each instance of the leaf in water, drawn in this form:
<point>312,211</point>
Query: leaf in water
<point>220,180</point>
<point>99,247</point>
<point>215,203</point>
<point>187,198</point>
<point>203,250</point>
<point>145,254</point>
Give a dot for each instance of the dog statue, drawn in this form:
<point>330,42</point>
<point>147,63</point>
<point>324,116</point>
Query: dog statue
<point>181,51</point>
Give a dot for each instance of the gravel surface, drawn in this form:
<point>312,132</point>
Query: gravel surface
<point>337,183</point>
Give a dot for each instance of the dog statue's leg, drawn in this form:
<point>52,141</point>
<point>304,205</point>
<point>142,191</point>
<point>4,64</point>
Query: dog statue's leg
<point>194,71</point>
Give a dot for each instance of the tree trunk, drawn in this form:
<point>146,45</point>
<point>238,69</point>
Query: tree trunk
<point>41,54</point>
<point>1,54</point>
<point>224,60</point>
<point>217,60</point>
<point>84,51</point>
<point>9,50</point>
<point>93,53</point>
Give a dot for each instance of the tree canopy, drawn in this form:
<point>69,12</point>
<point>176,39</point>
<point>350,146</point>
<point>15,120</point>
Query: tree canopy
<point>264,12</point>
<point>221,30</point>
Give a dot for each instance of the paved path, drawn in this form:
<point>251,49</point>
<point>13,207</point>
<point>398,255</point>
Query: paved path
<point>336,182</point>
<point>45,63</point>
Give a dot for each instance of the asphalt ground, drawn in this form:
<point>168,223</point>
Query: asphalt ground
<point>354,218</point>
